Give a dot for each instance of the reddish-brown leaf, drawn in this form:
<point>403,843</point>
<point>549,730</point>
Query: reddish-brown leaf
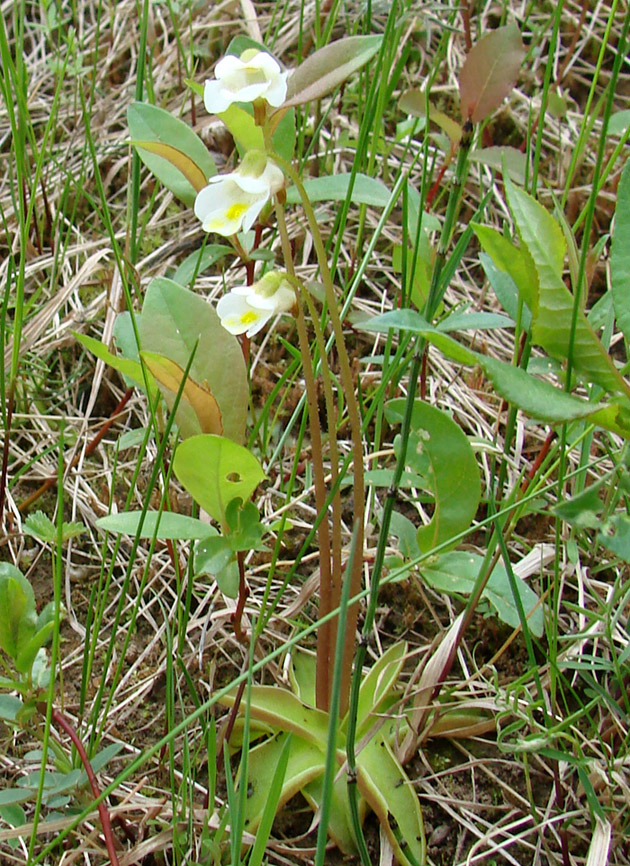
<point>490,72</point>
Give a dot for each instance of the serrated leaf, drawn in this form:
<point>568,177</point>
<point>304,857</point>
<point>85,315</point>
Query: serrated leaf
<point>489,72</point>
<point>553,315</point>
<point>620,254</point>
<point>205,416</point>
<point>536,397</point>
<point>153,126</point>
<point>40,526</point>
<point>329,67</point>
<point>335,187</point>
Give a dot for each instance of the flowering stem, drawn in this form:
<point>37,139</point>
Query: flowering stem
<point>357,449</point>
<point>324,640</point>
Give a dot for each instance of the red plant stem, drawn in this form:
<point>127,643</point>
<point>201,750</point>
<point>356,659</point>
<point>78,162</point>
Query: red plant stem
<point>465,10</point>
<point>90,448</point>
<point>434,189</point>
<point>538,461</point>
<point>243,593</point>
<point>61,722</point>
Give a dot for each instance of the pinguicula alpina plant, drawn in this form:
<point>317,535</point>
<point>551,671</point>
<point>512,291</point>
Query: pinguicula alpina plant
<point>338,735</point>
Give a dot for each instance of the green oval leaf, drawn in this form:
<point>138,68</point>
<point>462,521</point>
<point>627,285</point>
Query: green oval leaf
<point>215,470</point>
<point>329,67</point>
<point>365,190</point>
<point>440,451</point>
<point>148,123</point>
<point>162,525</point>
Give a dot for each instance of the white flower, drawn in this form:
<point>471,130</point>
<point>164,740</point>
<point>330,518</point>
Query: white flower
<point>247,309</point>
<point>253,75</point>
<point>232,202</point>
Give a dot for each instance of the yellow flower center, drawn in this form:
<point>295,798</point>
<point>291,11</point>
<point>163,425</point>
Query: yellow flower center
<point>235,211</point>
<point>249,317</point>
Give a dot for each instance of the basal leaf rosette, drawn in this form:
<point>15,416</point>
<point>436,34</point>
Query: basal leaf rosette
<point>232,202</point>
<point>253,75</point>
<point>247,309</point>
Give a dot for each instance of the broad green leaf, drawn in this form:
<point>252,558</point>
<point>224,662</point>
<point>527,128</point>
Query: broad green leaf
<point>489,72</point>
<point>215,470</point>
<point>459,321</point>
<point>512,261</point>
<point>200,261</point>
<point>304,763</point>
<point>228,579</point>
<point>405,531</point>
<point>329,67</point>
<point>615,535</point>
<point>29,649</point>
<point>283,711</point>
<point>129,368</point>
<point>510,159</point>
<point>620,254</point>
<point>148,123</point>
<point>534,396</point>
<point>13,814</point>
<point>198,410</point>
<point>552,320</point>
<point>339,818</point>
<point>506,291</point>
<point>440,450</point>
<point>334,187</point>
<point>13,795</point>
<point>418,269</point>
<point>18,617</point>
<point>167,524</point>
<point>456,573</point>
<point>178,160</point>
<point>175,321</point>
<point>213,554</point>
<point>378,685</point>
<point>10,709</point>
<point>302,674</point>
<point>583,510</point>
<point>390,793</point>
<point>618,124</point>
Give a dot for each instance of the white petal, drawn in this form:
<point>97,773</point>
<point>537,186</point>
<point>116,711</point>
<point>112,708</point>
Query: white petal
<point>216,98</point>
<point>277,90</point>
<point>252,214</point>
<point>266,63</point>
<point>228,64</point>
<point>238,317</point>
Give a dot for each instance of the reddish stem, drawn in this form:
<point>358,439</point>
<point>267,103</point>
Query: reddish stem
<point>538,461</point>
<point>61,722</point>
<point>243,593</point>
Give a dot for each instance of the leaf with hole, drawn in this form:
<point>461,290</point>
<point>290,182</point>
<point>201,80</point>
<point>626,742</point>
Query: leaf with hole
<point>489,72</point>
<point>216,470</point>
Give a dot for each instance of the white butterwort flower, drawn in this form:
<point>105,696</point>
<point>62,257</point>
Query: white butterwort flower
<point>253,75</point>
<point>232,202</point>
<point>247,309</point>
